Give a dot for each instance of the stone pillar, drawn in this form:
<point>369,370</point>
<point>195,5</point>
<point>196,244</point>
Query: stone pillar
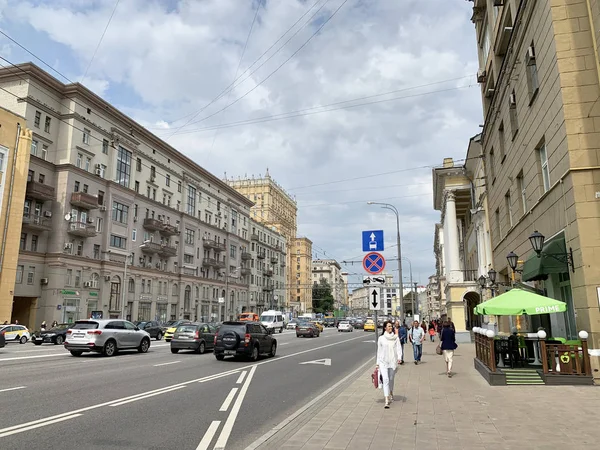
<point>450,225</point>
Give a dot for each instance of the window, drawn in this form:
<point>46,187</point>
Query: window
<point>137,187</point>
<point>174,290</point>
<point>498,224</point>
<point>101,197</point>
<point>120,212</point>
<point>105,146</point>
<point>134,234</point>
<point>152,173</point>
<point>85,188</point>
<point>102,171</point>
<point>79,160</point>
<point>30,173</point>
<point>88,163</point>
<point>37,119</point>
<point>131,285</point>
<point>96,251</point>
<point>191,200</point>
<point>509,211</point>
<point>20,271</point>
<point>533,82</point>
<point>485,45</point>
<point>44,154</point>
<point>138,164</point>
<point>168,180</point>
<point>30,274</point>
<point>77,278</point>
<point>501,142</point>
<point>23,242</point>
<point>47,124</point>
<point>523,192</point>
<point>34,243</point>
<point>117,241</point>
<point>232,250</point>
<point>188,259</point>
<point>34,146</point>
<point>123,166</point>
<point>114,303</point>
<point>179,186</point>
<point>99,224</point>
<point>76,186</point>
<point>86,136</point>
<point>190,236</point>
<point>543,157</point>
<point>492,167</point>
<point>512,112</point>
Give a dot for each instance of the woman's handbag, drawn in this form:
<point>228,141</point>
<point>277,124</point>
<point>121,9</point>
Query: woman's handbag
<point>375,377</point>
<point>438,349</point>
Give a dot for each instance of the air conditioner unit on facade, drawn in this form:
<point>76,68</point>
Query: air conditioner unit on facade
<point>106,277</point>
<point>98,171</point>
<point>102,208</point>
<point>68,246</point>
<point>47,213</point>
<point>481,75</point>
<point>87,284</point>
<point>530,54</point>
<point>135,219</point>
<point>90,220</point>
<point>512,100</point>
<point>498,2</point>
<point>149,265</point>
<point>489,93</point>
<point>44,281</point>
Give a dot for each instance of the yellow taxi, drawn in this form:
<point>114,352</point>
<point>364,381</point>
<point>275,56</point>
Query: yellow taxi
<point>318,324</point>
<point>15,333</point>
<point>369,325</point>
<point>170,327</point>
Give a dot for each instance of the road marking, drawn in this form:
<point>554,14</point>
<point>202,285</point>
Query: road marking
<point>32,357</point>
<point>228,399</point>
<point>160,345</point>
<point>284,343</point>
<point>43,424</point>
<point>370,342</point>
<point>324,362</point>
<point>208,436</point>
<point>226,431</point>
<point>52,419</point>
<point>166,364</point>
<point>265,437</point>
<point>13,388</point>
<point>241,378</point>
<point>147,396</point>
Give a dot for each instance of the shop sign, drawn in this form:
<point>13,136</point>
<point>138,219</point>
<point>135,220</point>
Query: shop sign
<point>66,292</point>
<point>93,294</point>
<point>145,297</point>
<point>162,298</point>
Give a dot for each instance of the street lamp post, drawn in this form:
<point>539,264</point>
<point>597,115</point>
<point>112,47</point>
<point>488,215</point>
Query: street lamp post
<point>395,211</point>
<point>411,285</point>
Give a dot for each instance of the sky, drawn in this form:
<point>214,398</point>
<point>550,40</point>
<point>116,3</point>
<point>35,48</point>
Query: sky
<point>344,101</point>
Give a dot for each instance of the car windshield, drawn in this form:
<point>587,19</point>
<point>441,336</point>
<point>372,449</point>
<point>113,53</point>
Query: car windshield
<point>85,325</point>
<point>239,329</point>
<point>268,318</point>
<point>62,326</point>
<point>344,323</point>
<point>171,323</point>
<point>186,328</point>
<point>246,316</point>
<point>140,324</point>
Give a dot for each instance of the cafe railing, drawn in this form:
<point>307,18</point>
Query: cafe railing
<point>484,350</point>
<point>565,359</point>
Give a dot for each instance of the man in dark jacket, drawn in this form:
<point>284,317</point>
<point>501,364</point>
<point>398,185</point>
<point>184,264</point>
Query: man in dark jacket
<point>402,332</point>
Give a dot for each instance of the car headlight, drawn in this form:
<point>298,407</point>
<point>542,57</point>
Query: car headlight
<point>51,334</point>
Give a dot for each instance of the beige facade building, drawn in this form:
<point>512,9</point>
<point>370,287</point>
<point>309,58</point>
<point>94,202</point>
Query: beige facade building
<point>276,209</point>
<point>539,66</point>
<point>301,288</point>
<point>359,305</point>
<point>117,223</point>
<point>15,141</point>
<point>331,271</point>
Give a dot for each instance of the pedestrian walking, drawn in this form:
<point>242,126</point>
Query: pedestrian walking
<point>54,324</point>
<point>416,336</point>
<point>431,333</point>
<point>389,355</point>
<point>43,325</point>
<point>451,324</point>
<point>402,333</point>
<point>448,345</point>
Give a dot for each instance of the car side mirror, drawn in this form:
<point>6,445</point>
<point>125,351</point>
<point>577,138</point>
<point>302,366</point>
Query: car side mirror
<point>271,330</point>
<point>137,329</point>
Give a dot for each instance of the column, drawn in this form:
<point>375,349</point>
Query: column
<point>450,225</point>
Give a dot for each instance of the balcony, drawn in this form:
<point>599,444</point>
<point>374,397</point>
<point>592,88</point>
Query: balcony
<point>220,264</point>
<point>245,271</point>
<point>36,222</point>
<point>261,255</point>
<point>169,230</point>
<point>40,191</point>
<point>82,229</point>
<point>209,262</point>
<point>267,273</point>
<point>267,288</point>
<point>151,224</point>
<point>254,237</point>
<point>151,247</point>
<point>274,260</point>
<point>282,263</point>
<point>167,250</point>
<point>211,243</point>
<point>246,256</point>
<point>84,200</point>
<point>190,271</point>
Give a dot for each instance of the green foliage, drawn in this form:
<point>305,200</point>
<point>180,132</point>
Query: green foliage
<point>322,299</point>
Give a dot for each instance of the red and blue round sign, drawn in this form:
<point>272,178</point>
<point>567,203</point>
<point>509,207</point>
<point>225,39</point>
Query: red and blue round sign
<point>374,263</point>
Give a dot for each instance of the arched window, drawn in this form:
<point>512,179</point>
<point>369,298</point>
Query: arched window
<point>175,290</point>
<point>131,285</point>
<point>187,295</point>
<point>95,279</point>
<point>114,303</point>
<point>197,292</point>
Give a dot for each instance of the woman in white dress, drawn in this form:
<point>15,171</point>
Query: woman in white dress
<point>389,355</point>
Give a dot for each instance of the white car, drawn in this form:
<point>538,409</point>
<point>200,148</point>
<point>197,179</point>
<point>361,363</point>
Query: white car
<point>15,333</point>
<point>345,326</point>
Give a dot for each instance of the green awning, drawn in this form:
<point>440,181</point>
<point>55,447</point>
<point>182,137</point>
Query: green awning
<point>517,302</point>
<point>539,267</point>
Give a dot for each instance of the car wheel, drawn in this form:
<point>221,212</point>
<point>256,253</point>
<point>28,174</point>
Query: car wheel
<point>144,345</point>
<point>254,356</point>
<point>76,352</point>
<point>273,349</point>
<point>110,348</point>
<point>159,336</point>
<point>174,350</point>
<point>37,343</point>
<point>220,357</point>
<point>23,339</point>
<point>202,348</point>
<point>59,340</point>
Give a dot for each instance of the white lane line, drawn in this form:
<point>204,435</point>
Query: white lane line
<point>228,400</point>
<point>284,343</point>
<point>43,424</point>
<point>13,388</point>
<point>264,438</point>
<point>215,377</point>
<point>36,356</point>
<point>241,378</point>
<point>159,345</point>
<point>209,435</point>
<point>166,364</point>
<point>226,431</point>
<point>147,396</point>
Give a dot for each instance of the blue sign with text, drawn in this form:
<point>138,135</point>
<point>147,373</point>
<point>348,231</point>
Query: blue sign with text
<point>372,241</point>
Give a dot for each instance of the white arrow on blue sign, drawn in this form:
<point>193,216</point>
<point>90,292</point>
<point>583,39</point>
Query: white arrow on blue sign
<point>372,241</point>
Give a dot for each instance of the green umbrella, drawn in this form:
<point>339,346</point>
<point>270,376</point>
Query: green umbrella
<point>517,301</point>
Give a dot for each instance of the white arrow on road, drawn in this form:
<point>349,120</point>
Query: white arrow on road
<point>372,237</point>
<point>324,362</point>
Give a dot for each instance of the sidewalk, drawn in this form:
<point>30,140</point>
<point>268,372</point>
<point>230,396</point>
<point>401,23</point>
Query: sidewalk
<point>432,411</point>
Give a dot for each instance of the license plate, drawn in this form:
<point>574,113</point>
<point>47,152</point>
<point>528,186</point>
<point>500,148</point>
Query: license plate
<point>78,335</point>
<point>230,352</point>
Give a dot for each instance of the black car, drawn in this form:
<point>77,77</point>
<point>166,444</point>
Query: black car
<point>55,335</point>
<point>249,339</point>
<point>307,329</point>
<point>193,336</point>
<point>152,327</point>
<point>329,322</point>
<point>2,340</point>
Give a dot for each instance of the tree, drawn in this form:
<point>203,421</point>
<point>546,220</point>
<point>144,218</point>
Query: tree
<point>322,299</point>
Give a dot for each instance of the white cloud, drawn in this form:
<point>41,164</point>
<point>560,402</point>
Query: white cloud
<point>177,56</point>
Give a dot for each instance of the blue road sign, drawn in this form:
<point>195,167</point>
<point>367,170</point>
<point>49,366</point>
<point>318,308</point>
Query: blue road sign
<point>374,263</point>
<point>372,241</point>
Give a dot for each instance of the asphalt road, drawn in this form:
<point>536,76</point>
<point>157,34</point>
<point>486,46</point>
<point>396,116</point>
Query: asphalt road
<point>164,400</point>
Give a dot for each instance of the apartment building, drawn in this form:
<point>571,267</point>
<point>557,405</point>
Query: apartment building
<point>433,301</point>
<point>331,271</point>
<point>15,141</point>
<point>302,270</point>
<point>359,304</point>
<point>117,223</point>
<point>539,67</point>
<point>275,208</point>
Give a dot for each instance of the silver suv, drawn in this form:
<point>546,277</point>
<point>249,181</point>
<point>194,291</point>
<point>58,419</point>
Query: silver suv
<point>106,336</point>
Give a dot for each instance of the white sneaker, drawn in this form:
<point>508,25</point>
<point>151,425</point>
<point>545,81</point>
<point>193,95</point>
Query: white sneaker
<point>391,397</point>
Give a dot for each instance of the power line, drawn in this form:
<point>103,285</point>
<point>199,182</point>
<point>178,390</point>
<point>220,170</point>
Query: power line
<point>100,41</point>
<point>363,201</point>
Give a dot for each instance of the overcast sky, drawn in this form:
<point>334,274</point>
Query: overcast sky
<point>163,61</point>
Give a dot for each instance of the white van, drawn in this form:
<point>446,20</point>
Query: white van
<point>273,319</point>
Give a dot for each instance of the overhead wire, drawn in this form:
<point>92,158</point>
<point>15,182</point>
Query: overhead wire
<point>100,41</point>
